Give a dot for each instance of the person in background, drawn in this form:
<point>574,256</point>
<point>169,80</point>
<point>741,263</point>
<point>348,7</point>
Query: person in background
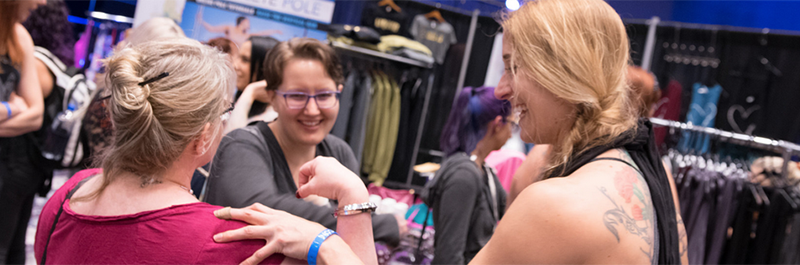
<point>252,97</point>
<point>646,92</point>
<point>21,101</point>
<point>466,195</point>
<point>225,45</point>
<point>22,105</point>
<point>604,197</point>
<point>261,162</point>
<point>96,122</point>
<point>28,169</point>
<point>141,193</point>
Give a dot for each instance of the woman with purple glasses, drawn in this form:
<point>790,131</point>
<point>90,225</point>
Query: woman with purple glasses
<point>261,163</point>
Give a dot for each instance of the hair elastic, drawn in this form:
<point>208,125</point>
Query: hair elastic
<point>314,250</point>
<point>8,108</point>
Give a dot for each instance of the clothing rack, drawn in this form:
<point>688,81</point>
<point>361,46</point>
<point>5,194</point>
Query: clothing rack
<point>711,27</point>
<point>787,149</point>
<point>391,57</point>
<point>655,22</point>
<point>756,141</point>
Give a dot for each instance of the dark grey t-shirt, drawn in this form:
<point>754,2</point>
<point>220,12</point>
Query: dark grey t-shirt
<point>436,36</point>
<point>242,173</point>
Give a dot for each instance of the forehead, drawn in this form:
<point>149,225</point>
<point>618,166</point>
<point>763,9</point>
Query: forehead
<point>305,73</point>
<point>246,48</point>
<point>507,49</point>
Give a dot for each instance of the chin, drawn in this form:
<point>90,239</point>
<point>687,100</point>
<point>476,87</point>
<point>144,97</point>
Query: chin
<point>313,139</point>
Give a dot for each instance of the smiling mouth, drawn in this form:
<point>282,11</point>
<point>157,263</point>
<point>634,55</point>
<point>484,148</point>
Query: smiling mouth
<point>311,123</point>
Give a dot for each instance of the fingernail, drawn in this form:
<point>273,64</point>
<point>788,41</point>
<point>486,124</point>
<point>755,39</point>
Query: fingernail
<point>217,237</point>
<point>297,194</point>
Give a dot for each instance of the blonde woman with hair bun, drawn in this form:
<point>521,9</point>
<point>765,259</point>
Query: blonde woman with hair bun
<point>169,104</point>
<point>605,197</point>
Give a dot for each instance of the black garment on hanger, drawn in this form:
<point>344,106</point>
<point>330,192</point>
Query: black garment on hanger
<point>641,147</point>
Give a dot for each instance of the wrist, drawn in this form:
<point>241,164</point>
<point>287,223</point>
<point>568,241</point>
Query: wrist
<point>333,251</point>
<point>353,196</point>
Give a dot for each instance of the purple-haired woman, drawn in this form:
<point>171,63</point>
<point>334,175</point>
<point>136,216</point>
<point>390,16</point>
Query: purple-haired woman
<point>466,196</point>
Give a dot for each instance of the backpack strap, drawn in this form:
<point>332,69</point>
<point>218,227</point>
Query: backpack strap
<point>60,210</point>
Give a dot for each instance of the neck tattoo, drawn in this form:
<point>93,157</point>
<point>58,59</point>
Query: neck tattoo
<point>155,181</point>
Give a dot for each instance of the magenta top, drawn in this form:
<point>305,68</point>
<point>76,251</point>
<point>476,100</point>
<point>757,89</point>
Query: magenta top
<point>179,234</point>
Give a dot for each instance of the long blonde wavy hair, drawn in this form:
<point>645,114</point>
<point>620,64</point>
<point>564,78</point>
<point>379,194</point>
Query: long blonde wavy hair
<point>579,51</point>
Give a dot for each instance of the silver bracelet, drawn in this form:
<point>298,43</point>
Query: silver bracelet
<point>352,209</point>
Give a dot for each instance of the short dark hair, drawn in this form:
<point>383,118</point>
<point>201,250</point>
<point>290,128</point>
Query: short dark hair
<point>240,19</point>
<point>300,48</point>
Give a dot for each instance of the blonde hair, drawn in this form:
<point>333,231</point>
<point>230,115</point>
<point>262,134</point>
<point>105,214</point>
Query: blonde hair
<point>154,29</point>
<point>153,123</point>
<point>577,50</point>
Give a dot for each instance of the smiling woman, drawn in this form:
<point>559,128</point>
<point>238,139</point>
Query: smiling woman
<point>261,163</point>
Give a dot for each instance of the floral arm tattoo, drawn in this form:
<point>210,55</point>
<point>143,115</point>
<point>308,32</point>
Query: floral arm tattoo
<point>631,186</point>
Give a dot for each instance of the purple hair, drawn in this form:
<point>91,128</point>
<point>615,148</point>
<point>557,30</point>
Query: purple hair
<point>50,28</point>
<point>467,124</point>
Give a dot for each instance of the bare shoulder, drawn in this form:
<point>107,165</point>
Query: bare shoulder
<point>24,38</point>
<point>625,205</point>
<point>552,221</point>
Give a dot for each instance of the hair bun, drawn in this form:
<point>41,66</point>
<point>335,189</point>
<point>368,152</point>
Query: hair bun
<point>124,78</point>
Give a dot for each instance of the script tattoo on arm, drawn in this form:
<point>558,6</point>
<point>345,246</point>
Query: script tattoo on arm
<point>631,186</point>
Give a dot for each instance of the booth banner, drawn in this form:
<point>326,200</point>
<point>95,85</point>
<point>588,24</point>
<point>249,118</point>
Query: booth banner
<point>317,10</point>
<point>207,19</point>
<point>308,13</point>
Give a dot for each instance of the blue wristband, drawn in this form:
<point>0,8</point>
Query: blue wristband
<point>8,108</point>
<point>314,250</point>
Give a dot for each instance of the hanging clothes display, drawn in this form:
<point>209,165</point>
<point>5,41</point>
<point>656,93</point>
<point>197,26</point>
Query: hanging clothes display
<point>385,19</point>
<point>702,112</point>
<point>734,211</point>
<point>383,134</point>
<point>668,107</point>
<point>438,36</point>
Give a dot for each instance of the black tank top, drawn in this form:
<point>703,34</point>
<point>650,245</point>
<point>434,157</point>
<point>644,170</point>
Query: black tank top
<point>640,146</point>
<point>9,77</point>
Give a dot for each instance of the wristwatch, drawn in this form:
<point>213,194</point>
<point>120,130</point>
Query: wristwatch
<point>367,207</point>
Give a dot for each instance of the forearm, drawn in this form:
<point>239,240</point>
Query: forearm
<point>23,119</point>
<point>356,230</point>
<point>29,90</point>
<point>336,251</point>
<point>9,108</point>
<point>22,123</point>
<point>240,111</point>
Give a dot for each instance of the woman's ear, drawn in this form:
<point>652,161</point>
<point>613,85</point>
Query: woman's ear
<point>497,123</point>
<point>203,143</point>
<point>339,89</point>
